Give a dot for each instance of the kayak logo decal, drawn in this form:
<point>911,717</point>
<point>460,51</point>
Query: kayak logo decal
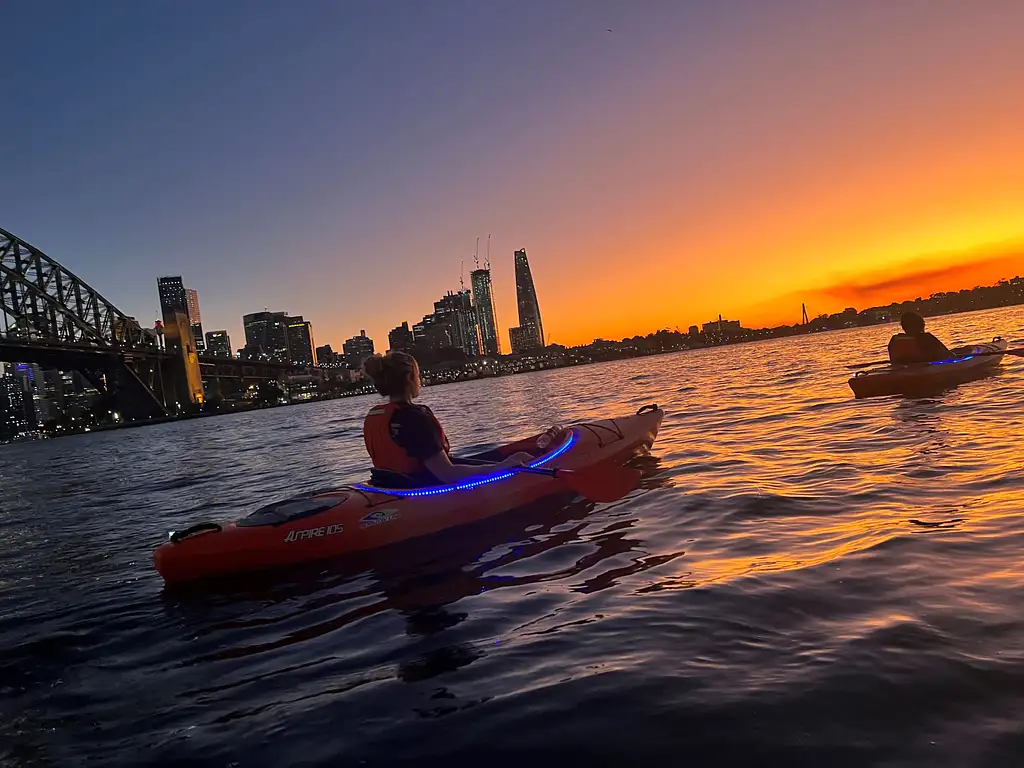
<point>379,516</point>
<point>314,533</point>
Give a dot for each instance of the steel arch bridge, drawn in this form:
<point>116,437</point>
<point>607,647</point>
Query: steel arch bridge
<point>50,316</point>
<point>42,300</point>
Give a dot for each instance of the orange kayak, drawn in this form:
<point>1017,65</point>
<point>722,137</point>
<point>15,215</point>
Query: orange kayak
<point>327,524</point>
<point>967,364</point>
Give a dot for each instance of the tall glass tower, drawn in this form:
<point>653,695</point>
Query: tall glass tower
<point>529,309</point>
<point>194,317</point>
<point>480,279</point>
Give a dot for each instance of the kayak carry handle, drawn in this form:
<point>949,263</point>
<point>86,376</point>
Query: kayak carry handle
<point>197,528</point>
<point>651,407</point>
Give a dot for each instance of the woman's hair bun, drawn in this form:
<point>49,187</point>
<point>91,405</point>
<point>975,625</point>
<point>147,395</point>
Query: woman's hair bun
<point>373,366</point>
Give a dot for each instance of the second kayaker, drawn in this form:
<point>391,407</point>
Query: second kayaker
<point>406,441</point>
<point>915,345</point>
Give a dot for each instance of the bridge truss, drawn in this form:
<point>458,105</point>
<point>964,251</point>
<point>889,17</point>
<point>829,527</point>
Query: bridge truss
<point>42,300</point>
<point>50,316</point>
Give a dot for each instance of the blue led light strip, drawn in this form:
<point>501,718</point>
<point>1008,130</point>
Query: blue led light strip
<point>476,482</point>
<point>570,441</point>
<point>946,362</point>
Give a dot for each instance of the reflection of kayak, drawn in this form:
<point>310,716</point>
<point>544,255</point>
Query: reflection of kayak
<point>326,524</point>
<point>967,364</point>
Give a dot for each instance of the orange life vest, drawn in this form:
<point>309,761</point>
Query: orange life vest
<point>384,451</point>
<point>904,348</point>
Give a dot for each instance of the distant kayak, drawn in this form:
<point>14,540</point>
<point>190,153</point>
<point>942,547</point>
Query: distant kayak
<point>967,364</point>
<point>327,524</point>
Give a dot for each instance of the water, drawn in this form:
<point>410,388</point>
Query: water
<point>802,578</point>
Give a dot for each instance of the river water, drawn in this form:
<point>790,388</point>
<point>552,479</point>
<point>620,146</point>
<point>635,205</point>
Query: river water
<point>802,579</point>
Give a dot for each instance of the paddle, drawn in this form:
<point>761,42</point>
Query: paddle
<point>1015,352</point>
<point>600,482</point>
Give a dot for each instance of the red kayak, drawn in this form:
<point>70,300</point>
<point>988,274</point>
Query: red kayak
<point>967,364</point>
<point>363,516</point>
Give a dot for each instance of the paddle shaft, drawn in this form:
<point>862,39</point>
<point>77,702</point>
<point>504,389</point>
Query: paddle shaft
<point>554,472</point>
<point>1015,352</point>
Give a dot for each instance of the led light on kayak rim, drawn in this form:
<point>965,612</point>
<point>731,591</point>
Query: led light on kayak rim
<point>475,482</point>
<point>957,360</point>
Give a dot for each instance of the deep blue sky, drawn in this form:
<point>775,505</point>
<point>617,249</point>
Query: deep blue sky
<point>338,159</point>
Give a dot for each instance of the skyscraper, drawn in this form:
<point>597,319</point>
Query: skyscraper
<point>519,340</point>
<point>357,349</point>
<point>456,309</point>
<point>432,334</point>
<point>172,295</point>
<point>218,343</point>
<point>17,411</point>
<point>194,317</point>
<point>480,279</point>
<point>526,297</point>
<point>300,341</point>
<point>266,335</point>
<point>174,298</point>
<point>401,339</point>
<point>33,382</point>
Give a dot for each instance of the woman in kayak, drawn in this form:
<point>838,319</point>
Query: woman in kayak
<point>407,440</point>
<point>914,345</point>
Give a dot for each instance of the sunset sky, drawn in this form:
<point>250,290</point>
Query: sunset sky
<point>339,159</point>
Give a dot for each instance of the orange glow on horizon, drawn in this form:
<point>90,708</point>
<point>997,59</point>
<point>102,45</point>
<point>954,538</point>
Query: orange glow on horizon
<point>784,162</point>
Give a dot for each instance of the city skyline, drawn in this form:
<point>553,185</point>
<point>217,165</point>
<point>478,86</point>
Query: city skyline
<point>37,402</point>
<point>740,159</point>
<point>454,336</point>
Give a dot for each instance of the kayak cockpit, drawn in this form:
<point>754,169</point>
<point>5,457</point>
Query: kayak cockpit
<point>400,488</point>
<point>290,510</point>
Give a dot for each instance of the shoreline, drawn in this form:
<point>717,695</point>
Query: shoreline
<point>557,366</point>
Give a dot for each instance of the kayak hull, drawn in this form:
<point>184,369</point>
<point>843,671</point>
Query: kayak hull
<point>360,517</point>
<point>968,364</point>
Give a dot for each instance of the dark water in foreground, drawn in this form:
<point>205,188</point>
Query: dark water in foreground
<point>802,579</point>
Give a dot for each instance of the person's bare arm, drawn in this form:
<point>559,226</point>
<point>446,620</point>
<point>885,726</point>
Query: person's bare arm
<point>441,467</point>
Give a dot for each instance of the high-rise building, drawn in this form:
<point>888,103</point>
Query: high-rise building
<point>357,349</point>
<point>300,341</point>
<point>401,339</point>
<point>456,309</point>
<point>486,318</point>
<point>432,334</point>
<point>175,297</point>
<point>194,317</point>
<point>521,340</point>
<point>172,295</point>
<point>17,412</point>
<point>526,297</point>
<point>33,383</point>
<point>327,357</point>
<point>218,343</point>
<point>266,335</point>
